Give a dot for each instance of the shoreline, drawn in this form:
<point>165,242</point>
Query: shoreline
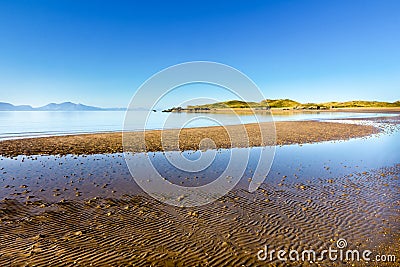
<point>280,115</point>
<point>88,210</point>
<point>287,133</point>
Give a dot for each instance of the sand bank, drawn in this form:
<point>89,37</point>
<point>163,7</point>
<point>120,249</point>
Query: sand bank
<point>288,211</point>
<point>296,132</point>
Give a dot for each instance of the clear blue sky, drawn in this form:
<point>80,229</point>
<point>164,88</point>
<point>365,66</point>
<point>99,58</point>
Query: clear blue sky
<point>99,52</point>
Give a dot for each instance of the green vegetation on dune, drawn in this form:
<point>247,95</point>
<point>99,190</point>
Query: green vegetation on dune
<point>273,103</point>
<point>228,104</point>
<point>362,104</point>
<point>280,103</point>
<point>291,104</point>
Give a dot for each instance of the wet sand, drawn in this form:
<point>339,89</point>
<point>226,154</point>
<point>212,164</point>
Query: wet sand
<point>79,226</point>
<point>296,132</point>
<point>136,230</point>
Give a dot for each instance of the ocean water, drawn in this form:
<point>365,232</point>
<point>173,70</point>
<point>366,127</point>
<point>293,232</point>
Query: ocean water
<point>20,124</point>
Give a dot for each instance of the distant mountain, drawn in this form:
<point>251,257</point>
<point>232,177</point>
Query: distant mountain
<point>10,107</point>
<point>24,107</point>
<point>66,106</point>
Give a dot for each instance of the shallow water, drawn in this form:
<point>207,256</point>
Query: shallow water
<point>313,195</point>
<point>108,175</point>
<point>19,124</point>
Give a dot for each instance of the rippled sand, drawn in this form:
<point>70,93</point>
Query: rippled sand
<point>83,218</point>
<point>136,230</point>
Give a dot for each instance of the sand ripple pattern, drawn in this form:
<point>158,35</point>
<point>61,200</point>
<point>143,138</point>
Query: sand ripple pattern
<point>136,230</point>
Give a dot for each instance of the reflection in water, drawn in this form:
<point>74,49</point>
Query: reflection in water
<point>92,212</point>
<point>53,178</point>
<point>18,124</point>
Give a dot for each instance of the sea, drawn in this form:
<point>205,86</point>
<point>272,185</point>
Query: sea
<point>22,124</point>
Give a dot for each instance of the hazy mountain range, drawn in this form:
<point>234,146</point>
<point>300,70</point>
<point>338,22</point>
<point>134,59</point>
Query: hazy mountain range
<point>66,106</point>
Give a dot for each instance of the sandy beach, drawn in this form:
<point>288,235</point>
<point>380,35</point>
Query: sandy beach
<point>84,210</point>
<point>136,230</point>
<point>296,132</point>
<point>191,134</point>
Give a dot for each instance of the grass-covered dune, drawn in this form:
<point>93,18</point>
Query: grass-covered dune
<point>363,104</point>
<point>291,104</point>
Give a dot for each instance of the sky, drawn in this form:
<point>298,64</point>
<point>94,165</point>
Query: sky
<point>100,52</point>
